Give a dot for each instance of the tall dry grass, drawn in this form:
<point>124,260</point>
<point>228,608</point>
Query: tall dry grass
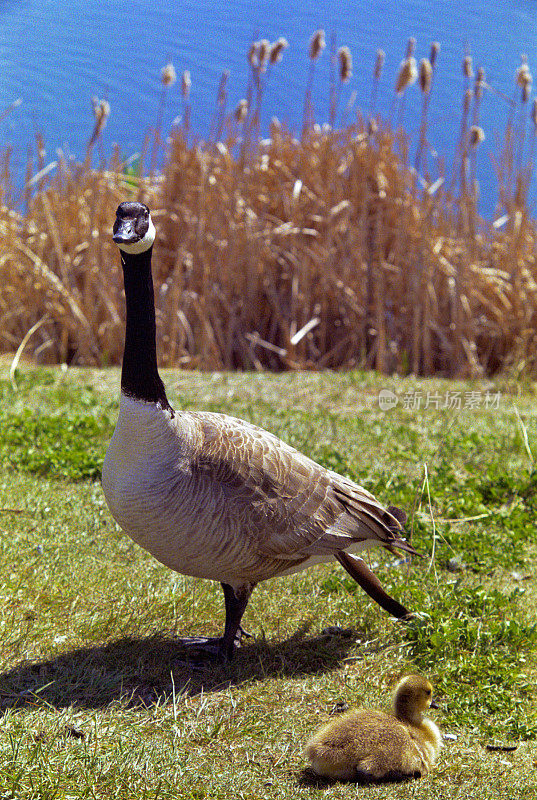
<point>326,250</point>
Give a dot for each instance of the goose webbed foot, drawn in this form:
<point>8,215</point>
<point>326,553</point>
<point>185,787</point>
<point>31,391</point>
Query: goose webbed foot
<point>198,648</point>
<point>208,647</point>
<point>242,634</point>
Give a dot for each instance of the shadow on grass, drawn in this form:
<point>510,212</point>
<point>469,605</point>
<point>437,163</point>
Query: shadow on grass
<point>139,671</point>
<point>310,779</point>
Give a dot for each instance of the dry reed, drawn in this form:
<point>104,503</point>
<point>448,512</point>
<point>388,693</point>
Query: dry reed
<point>286,254</point>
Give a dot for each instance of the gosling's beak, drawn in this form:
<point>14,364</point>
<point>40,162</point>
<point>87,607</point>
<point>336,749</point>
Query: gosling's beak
<point>434,703</point>
<point>124,231</point>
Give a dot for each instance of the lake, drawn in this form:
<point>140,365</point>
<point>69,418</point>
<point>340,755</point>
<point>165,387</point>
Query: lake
<point>56,56</point>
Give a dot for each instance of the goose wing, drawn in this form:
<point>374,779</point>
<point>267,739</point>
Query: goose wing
<point>289,506</point>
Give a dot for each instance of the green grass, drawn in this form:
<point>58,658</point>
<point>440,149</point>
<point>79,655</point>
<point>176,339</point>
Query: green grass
<point>88,620</point>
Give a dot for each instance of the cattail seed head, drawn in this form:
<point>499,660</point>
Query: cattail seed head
<point>524,79</point>
<point>317,44</point>
<point>101,110</point>
<point>186,83</point>
<point>263,52</point>
<point>410,47</point>
<point>521,74</point>
<point>479,83</point>
<point>276,50</point>
<point>435,50</point>
<point>241,112</point>
<point>426,75</point>
<point>252,54</point>
<point>407,75</point>
<point>468,97</point>
<point>345,64</point>
<point>222,88</point>
<point>168,75</point>
<point>379,63</point>
<point>477,135</point>
<point>467,68</point>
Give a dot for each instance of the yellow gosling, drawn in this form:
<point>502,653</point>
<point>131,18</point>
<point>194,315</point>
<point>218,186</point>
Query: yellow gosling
<point>371,745</point>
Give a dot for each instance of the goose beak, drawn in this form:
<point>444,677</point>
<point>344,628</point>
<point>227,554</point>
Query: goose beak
<point>124,231</point>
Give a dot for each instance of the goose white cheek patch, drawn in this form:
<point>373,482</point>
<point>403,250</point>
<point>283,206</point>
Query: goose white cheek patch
<point>143,244</point>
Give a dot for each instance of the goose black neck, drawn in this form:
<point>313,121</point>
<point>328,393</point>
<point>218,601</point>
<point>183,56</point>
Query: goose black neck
<point>139,375</point>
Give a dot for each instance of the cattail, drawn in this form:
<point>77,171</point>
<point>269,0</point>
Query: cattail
<point>467,68</point>
<point>186,83</point>
<point>317,44</point>
<point>101,111</point>
<point>407,75</point>
<point>520,72</point>
<point>410,47</point>
<point>534,113</point>
<point>477,135</point>
<point>168,75</point>
<point>521,75</point>
<point>252,54</point>
<point>479,83</point>
<point>276,50</point>
<point>221,95</point>
<point>263,52</point>
<point>379,63</point>
<point>345,64</point>
<point>372,127</point>
<point>426,75</point>
<point>468,97</point>
<point>524,79</point>
<point>435,50</point>
<point>241,111</point>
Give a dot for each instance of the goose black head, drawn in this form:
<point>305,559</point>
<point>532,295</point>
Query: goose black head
<point>134,231</point>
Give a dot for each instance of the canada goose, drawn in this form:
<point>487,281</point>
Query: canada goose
<point>371,745</point>
<point>216,497</point>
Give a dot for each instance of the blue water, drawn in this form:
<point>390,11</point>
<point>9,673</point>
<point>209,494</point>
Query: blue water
<point>56,56</point>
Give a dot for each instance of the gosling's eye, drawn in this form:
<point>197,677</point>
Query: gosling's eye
<point>428,692</point>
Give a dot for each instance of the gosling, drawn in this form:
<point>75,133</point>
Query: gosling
<point>369,745</point>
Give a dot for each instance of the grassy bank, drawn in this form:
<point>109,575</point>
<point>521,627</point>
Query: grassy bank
<point>332,247</point>
<point>98,701</point>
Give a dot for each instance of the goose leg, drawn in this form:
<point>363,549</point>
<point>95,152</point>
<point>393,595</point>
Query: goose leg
<point>224,646</point>
<point>358,569</point>
<point>236,601</point>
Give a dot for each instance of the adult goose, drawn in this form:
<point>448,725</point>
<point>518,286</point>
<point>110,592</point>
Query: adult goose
<point>217,497</point>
